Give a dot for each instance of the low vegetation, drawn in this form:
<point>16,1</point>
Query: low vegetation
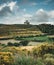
<point>42,54</point>
<point>19,53</point>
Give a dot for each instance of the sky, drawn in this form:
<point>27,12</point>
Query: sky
<point>18,11</point>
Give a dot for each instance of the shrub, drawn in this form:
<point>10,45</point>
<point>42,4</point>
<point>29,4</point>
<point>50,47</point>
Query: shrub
<point>49,61</point>
<point>4,45</point>
<point>39,61</point>
<point>48,56</point>
<point>24,43</point>
<point>10,44</point>
<point>43,49</point>
<point>16,44</point>
<point>28,60</point>
<point>6,58</point>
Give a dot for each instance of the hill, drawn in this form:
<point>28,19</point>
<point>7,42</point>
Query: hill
<point>25,30</point>
<point>19,30</point>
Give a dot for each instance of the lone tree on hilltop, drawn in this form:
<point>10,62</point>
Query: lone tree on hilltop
<point>26,22</point>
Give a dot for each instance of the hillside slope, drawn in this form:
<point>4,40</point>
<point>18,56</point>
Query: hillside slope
<point>25,30</point>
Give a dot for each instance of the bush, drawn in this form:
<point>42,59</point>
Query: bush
<point>16,44</point>
<point>25,60</point>
<point>40,61</point>
<point>6,58</point>
<point>43,49</point>
<point>41,55</point>
<point>49,61</point>
<point>24,43</point>
<point>3,45</point>
<point>28,60</point>
<point>10,44</point>
<point>48,56</point>
<point>13,44</point>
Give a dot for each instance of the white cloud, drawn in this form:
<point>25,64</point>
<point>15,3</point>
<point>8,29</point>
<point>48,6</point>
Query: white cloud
<point>13,20</point>
<point>8,8</point>
<point>11,5</point>
<point>27,15</point>
<point>40,16</point>
<point>51,14</point>
<point>2,6</point>
<point>16,19</point>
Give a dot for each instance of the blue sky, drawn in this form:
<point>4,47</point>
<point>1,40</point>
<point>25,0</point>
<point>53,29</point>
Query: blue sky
<point>18,11</point>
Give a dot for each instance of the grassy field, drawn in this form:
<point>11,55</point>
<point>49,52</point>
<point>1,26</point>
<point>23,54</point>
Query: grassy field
<point>39,38</point>
<point>32,40</point>
<point>22,52</point>
<point>42,54</point>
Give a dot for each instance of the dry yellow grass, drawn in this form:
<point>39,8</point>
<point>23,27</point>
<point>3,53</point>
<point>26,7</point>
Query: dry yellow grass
<point>29,48</point>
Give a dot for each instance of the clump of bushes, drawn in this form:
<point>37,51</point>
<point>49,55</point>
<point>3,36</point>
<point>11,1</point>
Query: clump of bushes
<point>24,43</point>
<point>41,55</point>
<point>10,44</point>
<point>43,49</point>
<point>24,60</point>
<point>48,59</point>
<point>48,55</point>
<point>13,44</point>
<point>21,43</point>
<point>3,45</point>
<point>6,58</point>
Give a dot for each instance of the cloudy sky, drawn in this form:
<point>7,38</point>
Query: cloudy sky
<point>18,11</point>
